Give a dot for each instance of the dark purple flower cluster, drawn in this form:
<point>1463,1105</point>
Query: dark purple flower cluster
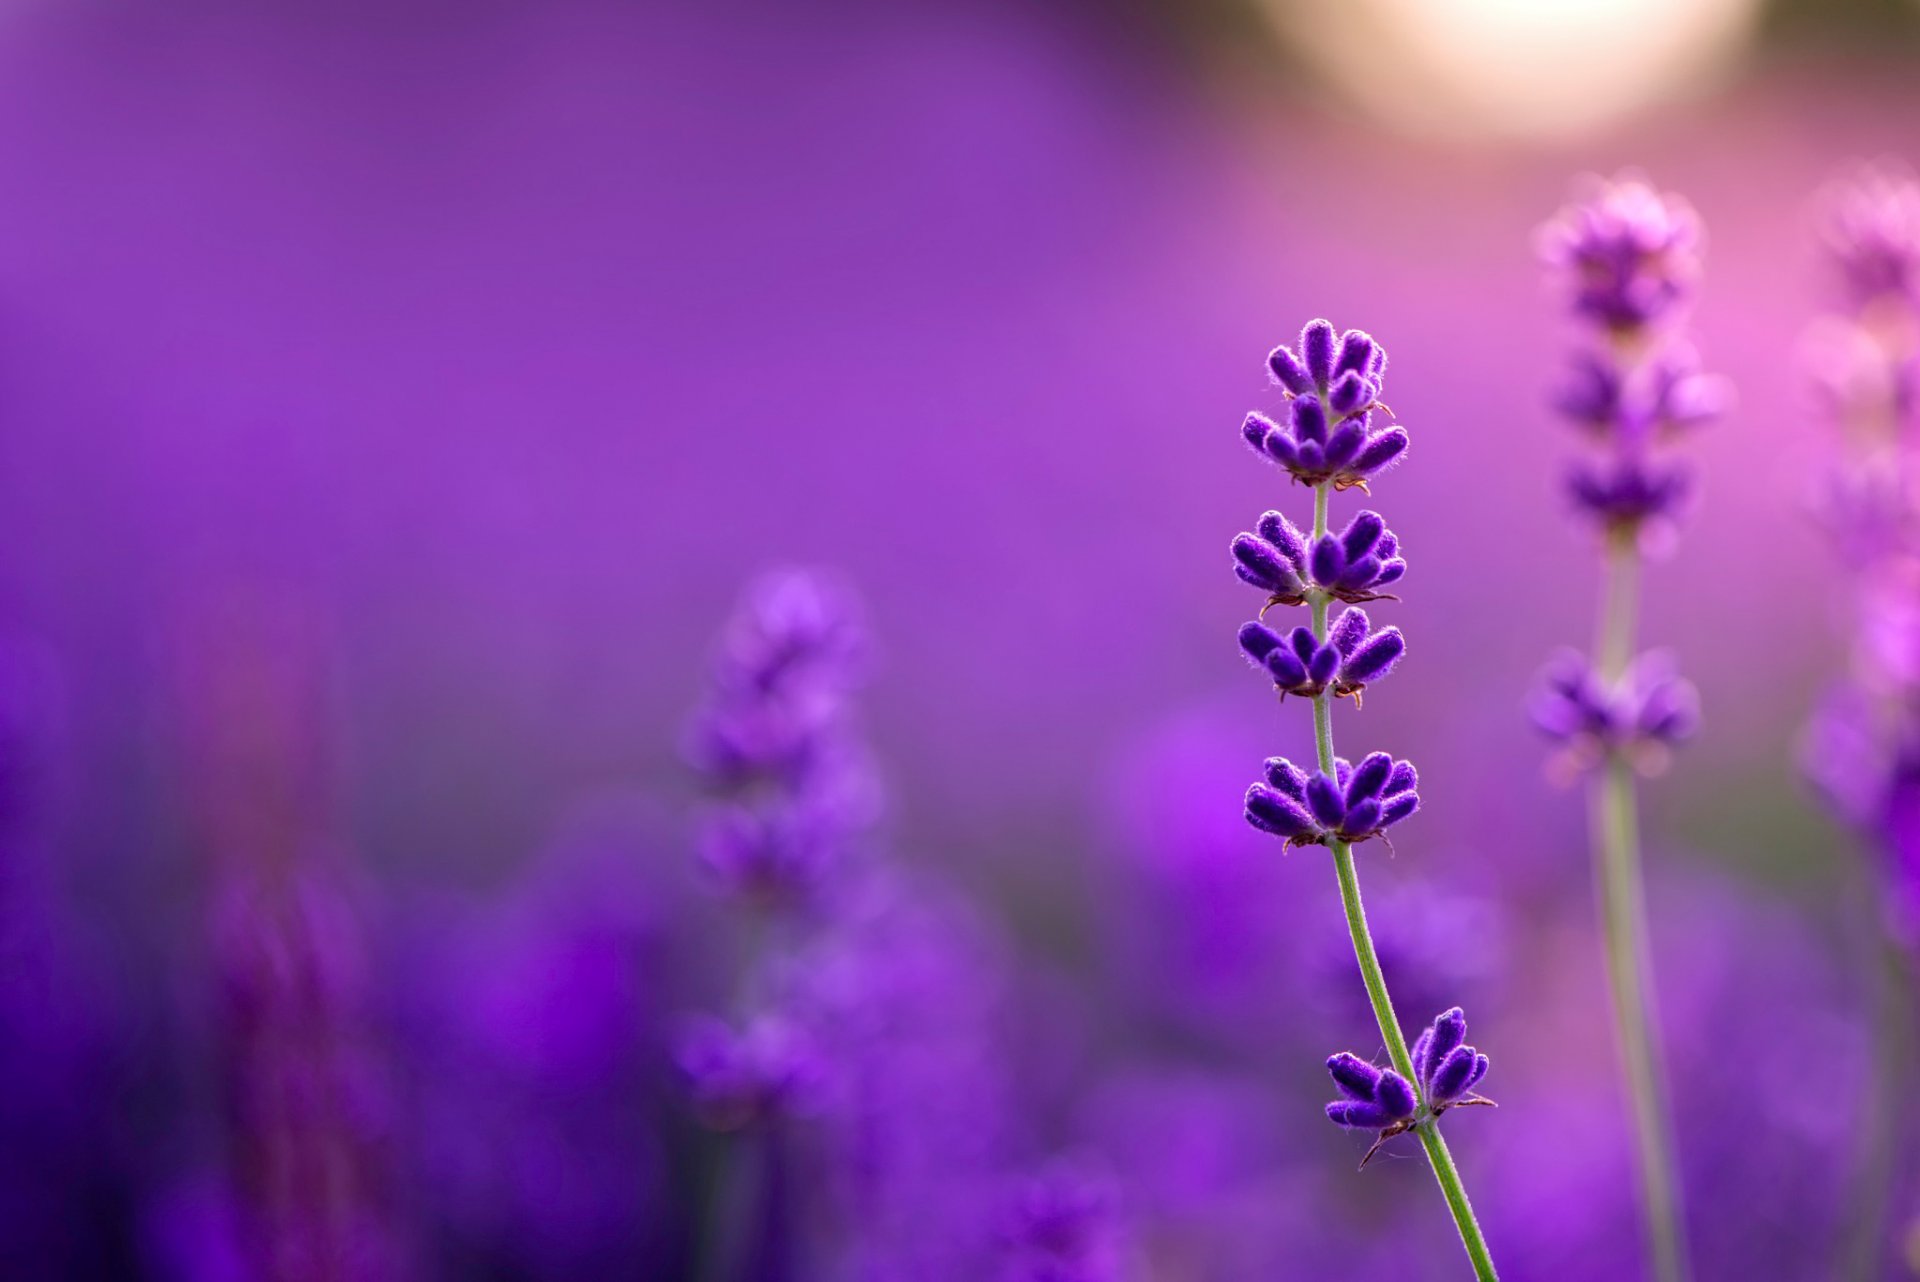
<point>775,745</point>
<point>1380,1099</point>
<point>1062,1224</point>
<point>1329,432</point>
<point>1329,442</point>
<point>1870,227</point>
<point>1629,256</point>
<point>739,1076</point>
<point>1863,749</point>
<point>1351,566</point>
<point>1642,716</point>
<point>1299,663</point>
<point>1357,804</point>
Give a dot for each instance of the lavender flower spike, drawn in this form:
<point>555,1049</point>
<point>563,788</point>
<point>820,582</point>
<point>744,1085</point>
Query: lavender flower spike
<point>1329,440</point>
<point>1328,434</point>
<point>1628,257</point>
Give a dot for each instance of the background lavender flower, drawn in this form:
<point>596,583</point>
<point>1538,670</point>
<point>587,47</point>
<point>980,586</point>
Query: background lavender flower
<point>1642,716</point>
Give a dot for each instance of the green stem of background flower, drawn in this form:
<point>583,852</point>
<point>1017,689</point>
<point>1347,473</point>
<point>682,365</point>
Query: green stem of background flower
<point>1623,917</point>
<point>1363,951</point>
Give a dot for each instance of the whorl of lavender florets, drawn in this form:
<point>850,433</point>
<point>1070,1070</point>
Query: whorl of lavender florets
<point>1631,495</point>
<point>1352,656</point>
<point>1627,254</point>
<point>738,1077</point>
<point>1448,1068</point>
<point>1350,566</point>
<point>786,663</point>
<point>1642,717</point>
<point>1062,1224</point>
<point>1667,394</point>
<point>1358,803</point>
<point>1380,1099</point>
<point>1870,226</point>
<point>1328,432</point>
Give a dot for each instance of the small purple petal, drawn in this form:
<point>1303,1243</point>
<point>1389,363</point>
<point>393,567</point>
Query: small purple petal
<point>1356,1078</point>
<point>1288,371</point>
<point>1316,350</point>
<point>1324,800</point>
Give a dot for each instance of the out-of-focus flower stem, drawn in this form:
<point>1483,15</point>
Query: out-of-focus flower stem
<point>1894,1036</point>
<point>1376,982</point>
<point>1623,916</point>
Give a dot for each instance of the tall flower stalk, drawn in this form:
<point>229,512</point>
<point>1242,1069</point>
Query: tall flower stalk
<point>1629,256</point>
<point>1335,435</point>
<point>1863,751</point>
<point>775,747</point>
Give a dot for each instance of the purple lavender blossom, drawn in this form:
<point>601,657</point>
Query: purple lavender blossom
<point>1628,254</point>
<point>786,663</point>
<point>1352,656</point>
<point>1062,1224</point>
<point>1870,226</point>
<point>1449,1069</point>
<point>1358,804</point>
<point>752,1075</point>
<point>1628,257</point>
<point>1630,494</point>
<point>1329,432</point>
<point>1643,716</point>
<point>1351,566</point>
<point>1669,393</point>
<point>1380,1099</point>
<point>1375,1098</point>
<point>775,743</point>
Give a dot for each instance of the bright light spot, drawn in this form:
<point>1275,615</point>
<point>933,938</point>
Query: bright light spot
<point>1512,67</point>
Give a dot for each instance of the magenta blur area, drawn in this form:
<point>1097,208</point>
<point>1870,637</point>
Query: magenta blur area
<point>433,434</point>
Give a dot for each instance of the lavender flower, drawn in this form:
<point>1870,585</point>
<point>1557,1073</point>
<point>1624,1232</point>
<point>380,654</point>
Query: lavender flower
<point>1329,433</point>
<point>1330,442</point>
<point>1061,1224</point>
<point>1628,258</point>
<point>775,743</point>
<point>1449,1068</point>
<point>1351,566</point>
<point>1299,663</point>
<point>1628,254</point>
<point>736,1077</point>
<point>1630,494</point>
<point>1356,804</point>
<point>1668,394</point>
<point>1375,1098</point>
<point>1642,716</point>
<point>1870,227</point>
<point>1380,1099</point>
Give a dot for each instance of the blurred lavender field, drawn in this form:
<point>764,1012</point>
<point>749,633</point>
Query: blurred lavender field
<point>397,401</point>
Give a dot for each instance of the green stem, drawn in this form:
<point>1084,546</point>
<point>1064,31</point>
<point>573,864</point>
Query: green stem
<point>1370,974</point>
<point>1623,916</point>
<point>1893,1047</point>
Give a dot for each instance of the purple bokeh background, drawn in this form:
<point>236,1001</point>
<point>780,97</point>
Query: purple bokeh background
<point>395,399</point>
